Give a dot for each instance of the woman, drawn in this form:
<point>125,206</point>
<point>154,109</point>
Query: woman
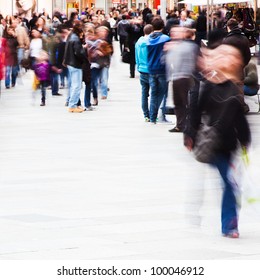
<point>221,107</point>
<point>11,61</point>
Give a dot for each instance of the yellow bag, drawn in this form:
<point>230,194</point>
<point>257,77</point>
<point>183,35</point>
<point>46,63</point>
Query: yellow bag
<point>36,83</point>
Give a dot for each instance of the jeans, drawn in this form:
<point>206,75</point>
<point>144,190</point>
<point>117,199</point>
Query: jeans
<point>181,88</point>
<point>250,91</point>
<point>20,55</point>
<point>104,80</point>
<point>63,75</point>
<point>87,95</point>
<point>11,73</point>
<point>144,81</point>
<point>95,76</point>
<point>54,83</point>
<point>229,216</point>
<point>43,86</point>
<point>159,91</point>
<point>75,75</point>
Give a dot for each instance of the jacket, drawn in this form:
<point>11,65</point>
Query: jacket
<point>74,52</point>
<point>181,59</point>
<point>237,39</point>
<point>155,44</point>
<point>122,27</point>
<point>222,105</point>
<point>141,54</point>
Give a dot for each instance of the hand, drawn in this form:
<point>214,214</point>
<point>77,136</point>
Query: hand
<point>188,142</point>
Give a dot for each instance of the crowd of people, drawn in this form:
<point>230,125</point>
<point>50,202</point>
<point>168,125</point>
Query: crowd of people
<point>206,81</point>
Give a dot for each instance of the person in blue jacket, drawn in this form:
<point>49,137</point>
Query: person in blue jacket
<point>156,68</point>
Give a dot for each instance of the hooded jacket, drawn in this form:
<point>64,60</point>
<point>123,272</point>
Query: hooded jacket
<point>155,44</point>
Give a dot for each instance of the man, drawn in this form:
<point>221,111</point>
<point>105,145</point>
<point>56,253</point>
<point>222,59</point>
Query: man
<point>156,68</point>
<point>142,67</point>
<point>237,39</point>
<point>74,57</point>
<point>122,27</point>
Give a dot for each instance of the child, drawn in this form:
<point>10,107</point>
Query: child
<point>42,72</point>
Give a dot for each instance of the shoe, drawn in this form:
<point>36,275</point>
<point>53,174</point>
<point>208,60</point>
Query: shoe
<point>62,86</point>
<point>66,104</point>
<point>7,87</point>
<point>131,77</point>
<point>146,119</point>
<point>57,94</point>
<point>13,85</point>
<point>75,110</point>
<point>175,129</point>
<point>90,108</point>
<point>104,97</point>
<point>42,104</point>
<point>232,234</point>
<point>95,102</point>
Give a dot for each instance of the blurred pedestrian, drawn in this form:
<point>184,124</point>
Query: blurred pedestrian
<point>220,108</point>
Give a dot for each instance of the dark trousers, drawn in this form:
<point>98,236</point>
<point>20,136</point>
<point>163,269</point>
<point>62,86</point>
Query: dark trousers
<point>122,42</point>
<point>181,88</point>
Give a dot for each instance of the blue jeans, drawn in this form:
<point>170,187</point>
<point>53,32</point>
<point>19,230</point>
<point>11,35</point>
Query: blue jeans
<point>95,76</point>
<point>20,55</point>
<point>159,92</point>
<point>63,75</point>
<point>104,80</point>
<point>54,82</point>
<point>144,81</point>
<point>75,75</point>
<point>250,91</point>
<point>229,216</point>
<point>87,95</point>
<point>11,73</point>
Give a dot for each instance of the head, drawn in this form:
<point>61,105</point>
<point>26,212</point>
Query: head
<point>102,32</point>
<point>232,24</point>
<point>183,15</point>
<point>123,17</point>
<point>40,22</point>
<point>148,29</point>
<point>43,56</point>
<point>158,23</point>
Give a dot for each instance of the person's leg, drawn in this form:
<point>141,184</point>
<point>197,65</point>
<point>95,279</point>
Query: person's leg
<point>162,95</point>
<point>54,83</point>
<point>229,215</point>
<point>180,98</point>
<point>43,91</point>
<point>15,70</point>
<point>87,95</point>
<point>144,81</point>
<point>95,76</point>
<point>75,88</point>
<point>7,76</point>
<point>104,81</point>
<point>154,98</point>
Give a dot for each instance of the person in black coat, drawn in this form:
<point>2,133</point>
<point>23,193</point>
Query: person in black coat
<point>221,108</point>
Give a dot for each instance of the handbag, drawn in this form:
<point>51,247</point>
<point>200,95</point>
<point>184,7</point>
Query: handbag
<point>206,143</point>
<point>126,56</point>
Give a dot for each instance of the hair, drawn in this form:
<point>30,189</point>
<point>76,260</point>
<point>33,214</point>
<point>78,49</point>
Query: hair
<point>148,29</point>
<point>232,23</point>
<point>123,16</point>
<point>78,28</point>
<point>157,23</point>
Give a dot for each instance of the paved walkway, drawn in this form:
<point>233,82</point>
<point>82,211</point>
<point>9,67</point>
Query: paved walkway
<point>107,185</point>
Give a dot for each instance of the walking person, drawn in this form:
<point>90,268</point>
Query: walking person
<point>220,107</point>
<point>142,67</point>
<point>11,61</point>
<point>122,27</point>
<point>42,72</point>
